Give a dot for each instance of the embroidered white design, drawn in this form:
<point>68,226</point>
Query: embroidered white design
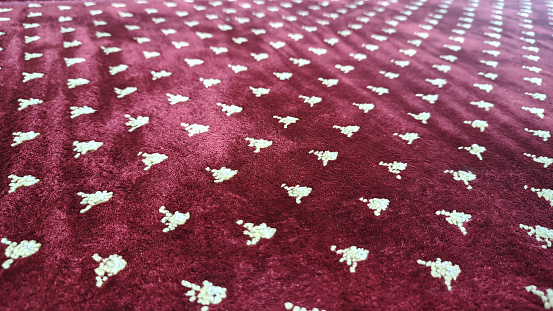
<point>540,112</point>
<point>541,233</point>
<point>482,104</point>
<point>229,110</point>
<point>84,147</point>
<point>193,62</point>
<point>21,181</point>
<point>378,205</point>
<point>395,167</point>
<point>258,144</point>
<point>31,76</point>
<point>365,107</point>
<point>108,267</point>
<point>159,74</point>
<point>137,122</point>
<point>92,199</point>
<point>409,137</point>
<point>445,270</point>
<point>172,221</point>
<point>311,100</point>
<point>437,82</point>
<point>72,61</point>
<point>347,130</point>
<point>482,125</point>
<point>277,45</point>
<point>209,82</point>
<point>442,68</point>
<point>325,156</point>
<point>222,174</point>
<point>19,250</point>
<point>257,233</point>
<point>259,91</point>
<point>148,54</point>
<point>124,92</point>
<point>291,306</point>
<point>547,298</point>
<point>78,111</point>
<point>238,68</point>
<point>463,176</point>
<point>389,75</point>
<point>329,82</point>
<point>260,56</point>
<point>194,129</point>
<point>300,61</point>
<point>175,99</point>
<point>109,50</point>
<point>547,194</point>
<point>283,75</point>
<point>180,44</point>
<point>358,56</point>
<point>537,96</point>
<point>297,192</point>
<point>541,134</point>
<point>24,103</point>
<point>73,83</point>
<point>317,51</point>
<point>456,218</point>
<point>206,295</point>
<point>286,120</point>
<point>423,116</point>
<point>351,255</point>
<point>20,137</point>
<point>141,40</point>
<point>542,160</point>
<point>151,159</point>
<point>218,50</point>
<point>475,149</point>
<point>344,68</point>
<point>29,56</point>
<point>378,90</point>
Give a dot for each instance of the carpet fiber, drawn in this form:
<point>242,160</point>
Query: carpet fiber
<point>265,155</point>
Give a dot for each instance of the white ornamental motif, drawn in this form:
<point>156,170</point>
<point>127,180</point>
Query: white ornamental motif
<point>463,176</point>
<point>442,269</point>
<point>172,221</point>
<point>258,144</point>
<point>92,199</point>
<point>84,147</point>
<point>297,192</point>
<point>19,250</point>
<point>395,167</point>
<point>456,218</point>
<point>152,159</point>
<point>325,156</point>
<point>257,233</point>
<point>222,174</point>
<point>378,205</point>
<point>108,267</point>
<point>23,181</point>
<point>351,255</point>
<point>207,294</point>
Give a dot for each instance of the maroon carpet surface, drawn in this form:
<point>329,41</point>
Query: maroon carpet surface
<point>276,155</point>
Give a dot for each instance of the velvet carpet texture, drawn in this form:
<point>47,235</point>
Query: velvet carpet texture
<point>266,155</point>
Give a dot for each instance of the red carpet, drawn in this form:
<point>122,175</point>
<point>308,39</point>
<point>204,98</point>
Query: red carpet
<point>265,155</point>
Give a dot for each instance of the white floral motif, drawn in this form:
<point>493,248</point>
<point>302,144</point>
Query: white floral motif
<point>172,221</point>
<point>91,199</point>
<point>311,100</point>
<point>258,92</point>
<point>444,270</point>
<point>21,181</point>
<point>329,82</point>
<point>209,82</point>
<point>152,159</point>
<point>547,194</point>
<point>378,205</point>
<point>541,134</point>
<point>238,68</point>
<point>283,75</point>
<point>365,107</point>
<point>456,218</point>
<point>108,267</point>
<point>20,137</point>
<point>541,233</point>
<point>409,137</point>
<point>222,174</point>
<point>194,129</point>
<point>286,120</point>
<point>124,92</point>
<point>325,156</point>
<point>542,160</point>
<point>463,176</point>
<point>72,83</point>
<point>423,116</point>
<point>260,56</point>
<point>113,70</point>
<point>176,98</point>
<point>378,90</point>
<point>300,61</point>
<point>347,130</point>
<point>540,112</point>
<point>31,76</point>
<point>193,62</point>
<point>258,144</point>
<point>137,122</point>
<point>206,295</point>
<point>24,103</point>
<point>257,233</point>
<point>475,149</point>
<point>159,74</point>
<point>395,167</point>
<point>16,250</point>
<point>229,109</point>
<point>109,50</point>
<point>297,192</point>
<point>351,255</point>
<point>78,111</point>
<point>84,147</point>
<point>547,298</point>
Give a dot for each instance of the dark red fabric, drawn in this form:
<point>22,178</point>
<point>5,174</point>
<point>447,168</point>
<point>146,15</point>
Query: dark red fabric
<point>497,258</point>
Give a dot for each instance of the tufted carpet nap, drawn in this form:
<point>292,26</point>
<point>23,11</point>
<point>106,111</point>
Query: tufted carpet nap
<point>265,155</point>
